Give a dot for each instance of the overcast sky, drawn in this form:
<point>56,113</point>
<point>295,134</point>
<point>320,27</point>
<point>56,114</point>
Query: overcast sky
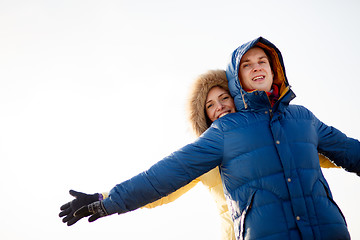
<point>93,92</point>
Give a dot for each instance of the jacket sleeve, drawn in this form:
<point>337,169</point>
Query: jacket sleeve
<point>173,196</point>
<point>335,145</point>
<point>212,181</point>
<point>169,174</point>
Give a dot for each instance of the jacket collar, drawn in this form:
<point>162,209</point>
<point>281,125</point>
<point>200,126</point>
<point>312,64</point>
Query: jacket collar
<point>259,101</point>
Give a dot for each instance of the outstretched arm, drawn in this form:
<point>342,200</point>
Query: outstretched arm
<point>83,199</point>
<point>163,178</point>
<point>168,175</point>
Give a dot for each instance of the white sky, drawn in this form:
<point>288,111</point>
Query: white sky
<point>93,92</point>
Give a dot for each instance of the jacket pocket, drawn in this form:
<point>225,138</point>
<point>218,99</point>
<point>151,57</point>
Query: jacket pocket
<point>329,196</point>
<point>244,214</point>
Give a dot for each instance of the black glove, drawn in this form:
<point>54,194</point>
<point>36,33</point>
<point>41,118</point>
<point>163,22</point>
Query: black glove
<point>96,209</point>
<point>81,199</point>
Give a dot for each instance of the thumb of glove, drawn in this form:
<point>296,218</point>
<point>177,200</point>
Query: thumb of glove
<point>82,212</point>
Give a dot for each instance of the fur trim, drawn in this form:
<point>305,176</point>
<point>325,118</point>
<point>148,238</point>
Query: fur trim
<point>198,95</point>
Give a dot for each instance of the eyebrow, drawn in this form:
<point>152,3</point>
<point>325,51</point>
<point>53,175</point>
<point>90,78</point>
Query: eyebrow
<point>208,101</point>
<point>248,60</point>
<point>217,96</point>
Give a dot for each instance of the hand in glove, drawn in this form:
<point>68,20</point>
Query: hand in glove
<point>96,210</point>
<point>81,199</point>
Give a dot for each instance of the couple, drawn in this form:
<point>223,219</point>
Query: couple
<point>267,154</point>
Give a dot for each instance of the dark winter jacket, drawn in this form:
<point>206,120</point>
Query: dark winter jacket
<point>278,191</point>
<point>268,158</point>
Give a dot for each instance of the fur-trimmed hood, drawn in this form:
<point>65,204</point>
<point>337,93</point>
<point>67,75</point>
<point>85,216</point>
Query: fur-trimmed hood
<point>198,94</point>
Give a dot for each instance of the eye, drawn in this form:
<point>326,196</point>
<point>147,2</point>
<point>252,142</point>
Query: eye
<point>264,60</point>
<point>209,106</point>
<point>226,97</point>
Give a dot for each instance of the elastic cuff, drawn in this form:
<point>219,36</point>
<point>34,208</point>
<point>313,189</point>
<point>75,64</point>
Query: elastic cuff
<point>103,195</point>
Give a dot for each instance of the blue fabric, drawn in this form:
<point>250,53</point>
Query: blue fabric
<point>268,158</point>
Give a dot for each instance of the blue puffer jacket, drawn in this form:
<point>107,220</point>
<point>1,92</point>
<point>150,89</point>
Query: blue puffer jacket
<point>269,164</point>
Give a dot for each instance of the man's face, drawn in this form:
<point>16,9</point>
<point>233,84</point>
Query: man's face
<point>255,71</point>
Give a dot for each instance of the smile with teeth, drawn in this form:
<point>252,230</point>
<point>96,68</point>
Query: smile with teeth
<point>223,114</point>
<point>258,78</point>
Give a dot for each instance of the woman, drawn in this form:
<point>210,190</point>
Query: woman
<point>209,97</point>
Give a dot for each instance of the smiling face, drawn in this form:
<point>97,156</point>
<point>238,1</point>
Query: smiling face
<point>218,103</point>
<point>255,71</point>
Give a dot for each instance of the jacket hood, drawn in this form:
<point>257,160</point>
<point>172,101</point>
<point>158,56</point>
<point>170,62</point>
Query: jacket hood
<point>253,100</point>
<point>198,94</point>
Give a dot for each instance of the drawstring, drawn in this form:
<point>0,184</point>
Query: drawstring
<point>242,96</point>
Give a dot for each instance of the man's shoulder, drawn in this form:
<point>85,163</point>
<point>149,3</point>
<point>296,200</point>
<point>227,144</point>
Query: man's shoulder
<point>298,111</point>
<point>238,120</point>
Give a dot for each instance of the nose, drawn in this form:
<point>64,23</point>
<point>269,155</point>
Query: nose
<point>256,67</point>
<point>219,106</point>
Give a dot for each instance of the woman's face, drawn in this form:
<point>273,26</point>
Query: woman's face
<point>218,103</point>
<point>255,71</point>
